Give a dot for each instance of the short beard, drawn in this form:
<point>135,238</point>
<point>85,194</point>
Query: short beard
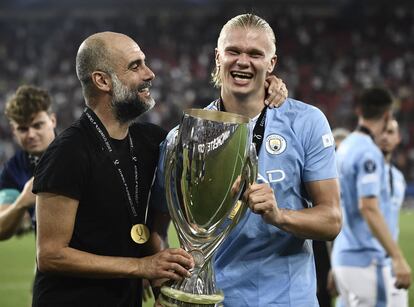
<point>385,152</point>
<point>126,103</point>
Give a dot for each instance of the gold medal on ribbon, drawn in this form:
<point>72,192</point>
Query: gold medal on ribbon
<point>140,233</point>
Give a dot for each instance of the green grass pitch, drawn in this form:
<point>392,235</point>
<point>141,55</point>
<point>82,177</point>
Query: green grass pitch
<point>17,263</point>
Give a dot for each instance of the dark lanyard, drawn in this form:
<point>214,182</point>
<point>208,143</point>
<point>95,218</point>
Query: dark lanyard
<point>102,134</point>
<point>259,128</point>
<point>33,161</point>
<point>391,180</point>
<point>365,130</point>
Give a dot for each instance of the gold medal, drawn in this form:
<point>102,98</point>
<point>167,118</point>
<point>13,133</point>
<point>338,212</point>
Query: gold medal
<point>140,233</point>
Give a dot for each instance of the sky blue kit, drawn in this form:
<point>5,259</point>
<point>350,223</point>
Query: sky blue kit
<point>258,264</point>
<point>362,174</point>
<point>399,185</point>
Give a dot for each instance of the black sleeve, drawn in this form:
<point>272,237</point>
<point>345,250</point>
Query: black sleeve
<point>63,167</point>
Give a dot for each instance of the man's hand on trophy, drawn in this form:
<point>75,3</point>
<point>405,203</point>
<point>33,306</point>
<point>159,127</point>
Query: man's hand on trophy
<point>171,263</point>
<point>276,91</point>
<point>261,200</point>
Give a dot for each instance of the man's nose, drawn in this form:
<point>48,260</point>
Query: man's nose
<point>149,74</point>
<point>243,59</point>
<point>31,132</point>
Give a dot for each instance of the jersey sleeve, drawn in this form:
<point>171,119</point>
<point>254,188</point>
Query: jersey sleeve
<point>368,174</point>
<point>160,200</point>
<point>62,170</point>
<point>319,145</point>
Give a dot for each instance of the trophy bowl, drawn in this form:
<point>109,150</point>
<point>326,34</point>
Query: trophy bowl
<point>208,164</point>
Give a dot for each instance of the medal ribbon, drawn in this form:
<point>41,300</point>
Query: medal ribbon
<point>103,135</point>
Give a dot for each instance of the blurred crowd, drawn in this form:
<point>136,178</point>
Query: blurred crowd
<point>325,56</point>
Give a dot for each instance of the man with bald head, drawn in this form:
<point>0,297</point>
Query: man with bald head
<point>98,224</point>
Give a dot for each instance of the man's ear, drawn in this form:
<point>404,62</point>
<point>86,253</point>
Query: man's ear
<point>272,65</point>
<point>217,57</point>
<point>102,81</point>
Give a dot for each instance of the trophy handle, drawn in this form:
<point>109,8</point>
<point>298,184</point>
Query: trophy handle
<point>169,163</point>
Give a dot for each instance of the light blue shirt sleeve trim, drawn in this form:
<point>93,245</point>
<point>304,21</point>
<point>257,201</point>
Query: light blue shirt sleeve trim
<point>8,196</point>
<point>158,198</point>
<point>319,146</point>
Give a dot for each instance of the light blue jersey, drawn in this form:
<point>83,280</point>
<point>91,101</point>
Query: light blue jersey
<point>259,264</point>
<point>362,174</point>
<point>397,192</point>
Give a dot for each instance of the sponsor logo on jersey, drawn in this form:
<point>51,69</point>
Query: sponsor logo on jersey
<point>327,140</point>
<point>275,144</point>
<point>272,176</point>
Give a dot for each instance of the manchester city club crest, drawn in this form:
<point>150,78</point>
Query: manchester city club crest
<point>275,144</point>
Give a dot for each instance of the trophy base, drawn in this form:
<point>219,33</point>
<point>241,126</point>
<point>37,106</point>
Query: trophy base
<point>175,298</point>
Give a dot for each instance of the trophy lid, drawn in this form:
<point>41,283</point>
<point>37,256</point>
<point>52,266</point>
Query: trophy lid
<point>218,116</point>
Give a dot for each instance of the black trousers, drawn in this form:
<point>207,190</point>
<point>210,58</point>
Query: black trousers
<point>323,265</point>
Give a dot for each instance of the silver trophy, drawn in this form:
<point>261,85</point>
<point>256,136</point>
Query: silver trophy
<point>207,165</point>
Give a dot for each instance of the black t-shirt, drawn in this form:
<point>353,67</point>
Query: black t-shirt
<point>78,166</point>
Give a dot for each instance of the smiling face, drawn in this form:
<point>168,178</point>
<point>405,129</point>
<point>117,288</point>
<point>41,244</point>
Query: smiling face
<point>245,56</point>
<point>131,82</point>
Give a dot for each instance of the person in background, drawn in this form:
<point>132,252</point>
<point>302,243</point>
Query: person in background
<point>339,135</point>
<point>360,252</point>
<point>388,142</point>
<point>326,288</point>
<point>33,124</point>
